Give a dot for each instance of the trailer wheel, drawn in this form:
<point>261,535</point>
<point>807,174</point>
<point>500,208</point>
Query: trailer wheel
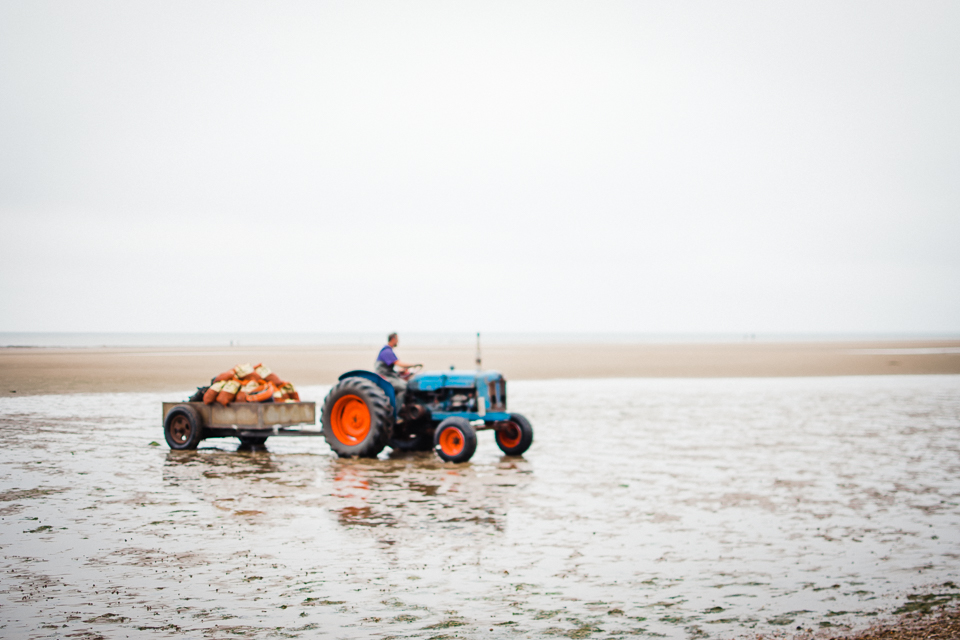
<point>516,437</point>
<point>357,418</point>
<point>250,441</point>
<point>455,440</point>
<point>183,428</point>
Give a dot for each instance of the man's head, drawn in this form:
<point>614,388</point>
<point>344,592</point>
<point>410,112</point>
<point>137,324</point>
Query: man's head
<point>392,340</point>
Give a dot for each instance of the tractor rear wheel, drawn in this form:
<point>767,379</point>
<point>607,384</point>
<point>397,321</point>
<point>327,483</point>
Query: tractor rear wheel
<point>455,440</point>
<point>357,418</point>
<point>516,437</point>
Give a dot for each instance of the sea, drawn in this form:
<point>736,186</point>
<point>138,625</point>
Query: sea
<point>371,339</point>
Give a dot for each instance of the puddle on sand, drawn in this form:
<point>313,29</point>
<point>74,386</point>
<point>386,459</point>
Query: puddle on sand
<point>678,508</point>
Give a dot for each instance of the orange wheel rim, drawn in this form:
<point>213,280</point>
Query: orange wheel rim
<point>350,420</point>
<point>510,437</point>
<point>452,441</point>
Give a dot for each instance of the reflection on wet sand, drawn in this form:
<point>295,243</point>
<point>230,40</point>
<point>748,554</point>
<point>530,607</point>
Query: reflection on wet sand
<point>242,464</point>
<point>416,491</point>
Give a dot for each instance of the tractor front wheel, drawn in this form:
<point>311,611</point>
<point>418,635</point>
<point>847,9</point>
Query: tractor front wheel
<point>455,440</point>
<point>515,436</point>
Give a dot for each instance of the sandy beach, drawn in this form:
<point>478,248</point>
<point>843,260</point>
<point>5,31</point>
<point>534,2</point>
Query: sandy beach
<point>732,492</point>
<point>31,371</point>
<point>737,490</point>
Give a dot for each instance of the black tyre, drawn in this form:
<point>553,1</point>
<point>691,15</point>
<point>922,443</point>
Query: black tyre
<point>183,428</point>
<point>420,439</point>
<point>421,442</point>
<point>455,440</point>
<point>516,436</point>
<point>249,441</point>
<point>357,418</point>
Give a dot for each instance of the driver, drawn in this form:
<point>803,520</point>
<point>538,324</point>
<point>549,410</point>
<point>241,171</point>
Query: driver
<point>387,365</point>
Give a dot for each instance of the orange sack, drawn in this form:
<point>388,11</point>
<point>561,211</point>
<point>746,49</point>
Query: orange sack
<point>241,396</point>
<point>223,377</point>
<point>268,375</point>
<point>243,370</point>
<point>264,393</point>
<point>228,392</point>
<point>251,387</point>
<point>211,393</point>
<point>289,393</point>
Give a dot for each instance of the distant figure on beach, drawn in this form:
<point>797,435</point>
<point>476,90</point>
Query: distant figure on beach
<point>387,365</point>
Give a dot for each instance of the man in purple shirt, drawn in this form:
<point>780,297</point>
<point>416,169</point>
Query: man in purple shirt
<point>387,364</point>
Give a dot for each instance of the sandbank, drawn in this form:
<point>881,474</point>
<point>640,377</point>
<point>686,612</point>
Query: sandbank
<point>32,371</point>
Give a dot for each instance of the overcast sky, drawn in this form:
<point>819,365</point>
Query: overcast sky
<point>495,166</point>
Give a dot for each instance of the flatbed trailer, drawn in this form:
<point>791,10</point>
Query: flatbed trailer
<point>185,424</point>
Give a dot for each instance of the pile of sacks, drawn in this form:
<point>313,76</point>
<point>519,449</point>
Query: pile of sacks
<point>247,383</point>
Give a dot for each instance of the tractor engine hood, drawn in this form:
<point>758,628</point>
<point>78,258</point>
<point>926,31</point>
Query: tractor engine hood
<point>452,379</point>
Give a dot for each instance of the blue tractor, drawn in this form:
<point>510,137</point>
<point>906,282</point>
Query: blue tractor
<point>442,410</point>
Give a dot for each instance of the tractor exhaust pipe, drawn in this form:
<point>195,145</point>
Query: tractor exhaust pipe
<point>478,351</point>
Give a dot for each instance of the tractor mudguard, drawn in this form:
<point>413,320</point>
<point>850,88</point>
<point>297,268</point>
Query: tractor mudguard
<point>378,380</point>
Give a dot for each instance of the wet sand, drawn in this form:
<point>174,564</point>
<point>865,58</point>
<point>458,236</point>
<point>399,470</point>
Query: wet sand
<point>29,371</point>
<point>683,508</point>
<point>939,622</point>
<point>942,622</point>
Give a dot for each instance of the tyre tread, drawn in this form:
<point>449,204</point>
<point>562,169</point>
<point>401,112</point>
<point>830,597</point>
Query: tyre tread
<point>196,424</point>
<point>381,418</point>
<point>469,434</point>
<point>526,436</point>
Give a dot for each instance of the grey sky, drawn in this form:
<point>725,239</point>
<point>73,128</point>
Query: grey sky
<point>501,166</point>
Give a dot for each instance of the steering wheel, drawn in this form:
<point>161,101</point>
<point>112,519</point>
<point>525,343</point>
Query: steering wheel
<point>410,371</point>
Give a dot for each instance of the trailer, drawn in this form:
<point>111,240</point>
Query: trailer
<point>185,424</point>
